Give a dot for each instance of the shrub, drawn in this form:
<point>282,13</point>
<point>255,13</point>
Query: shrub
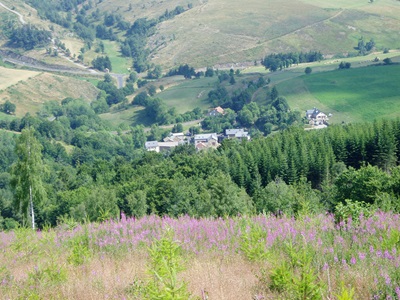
<point>252,243</point>
<point>165,264</point>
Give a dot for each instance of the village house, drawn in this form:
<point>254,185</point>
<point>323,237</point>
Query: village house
<point>239,134</point>
<point>175,137</point>
<point>168,146</point>
<point>152,146</point>
<point>316,117</point>
<point>204,141</point>
<point>218,111</point>
<point>162,146</point>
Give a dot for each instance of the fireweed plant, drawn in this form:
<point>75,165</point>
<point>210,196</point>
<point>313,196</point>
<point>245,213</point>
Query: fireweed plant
<point>314,257</point>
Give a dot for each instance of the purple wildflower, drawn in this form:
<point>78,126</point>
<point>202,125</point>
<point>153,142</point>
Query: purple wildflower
<point>361,256</point>
<point>398,291</point>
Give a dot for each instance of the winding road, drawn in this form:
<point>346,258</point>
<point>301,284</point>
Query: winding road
<point>81,69</point>
<point>20,17</point>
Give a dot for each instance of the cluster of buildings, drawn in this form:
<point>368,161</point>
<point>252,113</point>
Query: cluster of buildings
<point>315,117</point>
<point>200,141</point>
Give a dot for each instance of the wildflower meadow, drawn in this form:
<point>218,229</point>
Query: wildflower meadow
<point>257,257</point>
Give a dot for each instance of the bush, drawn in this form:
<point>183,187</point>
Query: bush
<point>353,210</point>
<point>165,264</point>
<point>387,61</point>
<point>344,65</point>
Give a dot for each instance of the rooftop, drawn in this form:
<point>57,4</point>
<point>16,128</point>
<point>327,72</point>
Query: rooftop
<point>205,136</point>
<point>151,144</point>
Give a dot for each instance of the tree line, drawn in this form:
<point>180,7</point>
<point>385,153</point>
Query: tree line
<point>279,61</point>
<point>102,174</point>
<point>27,36</point>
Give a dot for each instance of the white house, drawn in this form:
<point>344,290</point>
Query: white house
<point>207,140</point>
<point>175,137</point>
<point>152,146</point>
<point>239,134</point>
<point>316,117</point>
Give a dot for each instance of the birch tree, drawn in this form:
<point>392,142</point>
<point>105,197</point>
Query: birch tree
<point>27,175</point>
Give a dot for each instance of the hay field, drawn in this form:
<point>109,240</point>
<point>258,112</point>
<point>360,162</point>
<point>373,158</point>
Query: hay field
<point>9,77</point>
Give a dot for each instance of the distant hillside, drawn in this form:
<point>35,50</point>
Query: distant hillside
<point>221,31</point>
<point>218,33</point>
<point>34,89</point>
<point>229,32</point>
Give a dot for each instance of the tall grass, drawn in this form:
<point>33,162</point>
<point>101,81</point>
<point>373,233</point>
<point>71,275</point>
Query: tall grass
<point>260,256</point>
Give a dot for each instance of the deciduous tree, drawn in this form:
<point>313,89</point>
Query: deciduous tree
<point>27,174</point>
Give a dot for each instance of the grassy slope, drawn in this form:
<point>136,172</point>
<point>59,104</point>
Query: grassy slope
<point>120,64</point>
<point>129,117</point>
<point>142,8</point>
<point>189,94</point>
<point>10,77</point>
<point>30,94</point>
<point>184,95</point>
<point>207,35</point>
<point>233,31</point>
<point>359,94</point>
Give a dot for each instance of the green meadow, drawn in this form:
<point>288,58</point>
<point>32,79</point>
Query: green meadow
<point>6,117</point>
<point>351,95</point>
<point>120,64</point>
<point>189,94</point>
<point>135,115</point>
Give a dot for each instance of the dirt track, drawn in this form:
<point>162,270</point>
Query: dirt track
<point>20,17</point>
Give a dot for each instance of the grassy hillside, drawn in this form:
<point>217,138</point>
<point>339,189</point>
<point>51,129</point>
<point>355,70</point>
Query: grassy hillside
<point>129,117</point>
<point>30,94</point>
<point>184,95</point>
<point>222,31</point>
<point>353,95</point>
<point>226,33</point>
<point>189,94</point>
<point>10,77</point>
<point>232,31</point>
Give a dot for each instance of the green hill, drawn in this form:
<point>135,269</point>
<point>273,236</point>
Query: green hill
<point>353,95</point>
